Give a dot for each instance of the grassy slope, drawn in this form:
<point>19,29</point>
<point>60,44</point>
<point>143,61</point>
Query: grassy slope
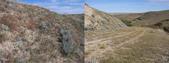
<point>143,45</point>
<point>152,47</point>
<point>33,34</point>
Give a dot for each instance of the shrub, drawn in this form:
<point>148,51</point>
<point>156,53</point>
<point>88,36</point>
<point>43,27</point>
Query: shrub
<point>102,46</point>
<point>67,41</point>
<point>128,23</point>
<point>139,18</point>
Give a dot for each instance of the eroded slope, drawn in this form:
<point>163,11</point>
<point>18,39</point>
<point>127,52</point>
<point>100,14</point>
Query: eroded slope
<point>98,21</point>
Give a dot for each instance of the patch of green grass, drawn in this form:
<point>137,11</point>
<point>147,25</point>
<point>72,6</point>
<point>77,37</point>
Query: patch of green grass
<point>102,46</point>
<point>128,23</point>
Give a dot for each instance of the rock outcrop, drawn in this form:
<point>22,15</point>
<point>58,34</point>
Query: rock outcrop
<point>98,20</point>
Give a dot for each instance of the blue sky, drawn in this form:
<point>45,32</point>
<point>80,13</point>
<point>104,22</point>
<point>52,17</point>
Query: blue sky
<point>122,6</point>
<point>114,6</point>
<point>59,6</point>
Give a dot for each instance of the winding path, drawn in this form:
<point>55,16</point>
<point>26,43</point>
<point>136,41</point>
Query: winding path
<point>95,49</point>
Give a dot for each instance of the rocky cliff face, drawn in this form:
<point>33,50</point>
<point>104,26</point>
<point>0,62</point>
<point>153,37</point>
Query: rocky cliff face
<point>30,34</point>
<point>98,20</point>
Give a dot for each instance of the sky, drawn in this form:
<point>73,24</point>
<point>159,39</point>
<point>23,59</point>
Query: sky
<point>129,6</point>
<point>113,6</point>
<point>59,6</point>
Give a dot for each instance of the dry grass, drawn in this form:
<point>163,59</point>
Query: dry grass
<point>142,46</point>
<point>150,48</point>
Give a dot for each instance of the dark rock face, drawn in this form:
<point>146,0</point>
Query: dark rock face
<point>30,34</point>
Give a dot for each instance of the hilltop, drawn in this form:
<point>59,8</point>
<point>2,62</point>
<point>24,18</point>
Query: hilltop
<point>96,20</point>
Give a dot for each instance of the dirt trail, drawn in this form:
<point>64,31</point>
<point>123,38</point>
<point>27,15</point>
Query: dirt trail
<point>110,43</point>
<point>106,38</point>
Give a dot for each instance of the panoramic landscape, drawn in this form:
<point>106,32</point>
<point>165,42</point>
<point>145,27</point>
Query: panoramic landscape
<point>125,36</point>
<point>78,31</point>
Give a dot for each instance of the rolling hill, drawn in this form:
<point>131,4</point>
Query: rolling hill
<point>156,19</point>
<point>127,16</point>
<point>153,19</point>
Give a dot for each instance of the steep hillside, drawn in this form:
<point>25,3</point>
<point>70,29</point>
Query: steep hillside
<point>100,21</point>
<point>79,21</point>
<point>30,34</point>
<point>157,19</point>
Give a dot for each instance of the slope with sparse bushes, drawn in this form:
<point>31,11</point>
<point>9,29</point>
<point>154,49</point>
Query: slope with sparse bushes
<point>155,19</point>
<point>31,34</point>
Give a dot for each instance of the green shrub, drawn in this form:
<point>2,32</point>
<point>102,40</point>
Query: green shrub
<point>67,41</point>
<point>128,23</point>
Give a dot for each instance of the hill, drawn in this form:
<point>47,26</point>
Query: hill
<point>31,34</point>
<point>126,45</point>
<point>127,16</point>
<point>96,20</point>
<point>155,19</point>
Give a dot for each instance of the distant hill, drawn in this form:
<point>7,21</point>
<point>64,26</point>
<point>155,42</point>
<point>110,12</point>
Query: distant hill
<point>156,19</point>
<point>100,21</point>
<point>31,34</point>
<point>153,19</point>
<point>128,16</point>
